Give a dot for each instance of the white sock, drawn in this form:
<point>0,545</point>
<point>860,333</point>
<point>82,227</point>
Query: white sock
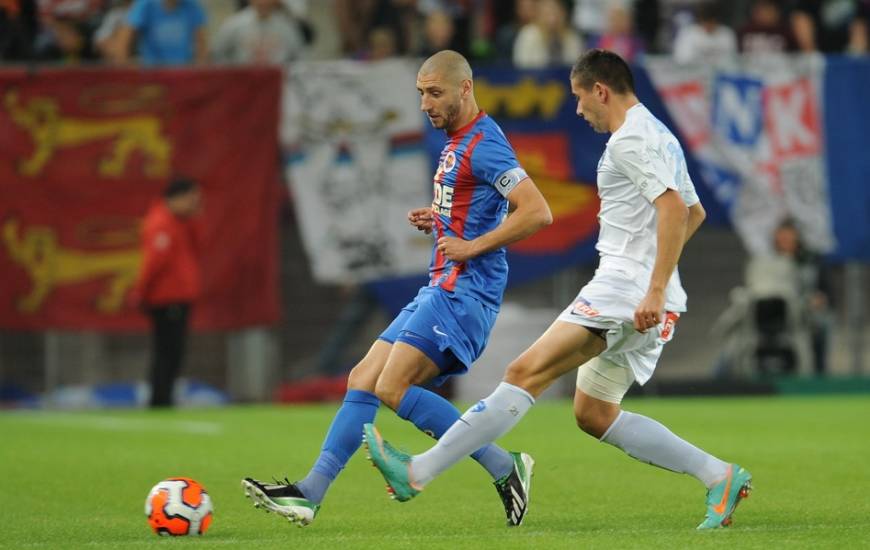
<point>649,441</point>
<point>481,424</point>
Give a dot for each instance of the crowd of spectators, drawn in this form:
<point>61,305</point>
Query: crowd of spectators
<point>528,33</point>
<point>153,32</point>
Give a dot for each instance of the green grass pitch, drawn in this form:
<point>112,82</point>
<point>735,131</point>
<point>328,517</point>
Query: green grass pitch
<point>72,480</point>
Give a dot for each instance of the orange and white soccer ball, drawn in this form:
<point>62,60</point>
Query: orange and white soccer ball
<point>178,506</point>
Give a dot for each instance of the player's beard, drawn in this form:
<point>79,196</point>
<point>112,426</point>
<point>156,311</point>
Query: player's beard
<point>450,116</point>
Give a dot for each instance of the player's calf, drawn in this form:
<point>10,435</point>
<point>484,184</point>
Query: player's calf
<point>593,424</point>
<point>390,394</point>
<point>594,416</point>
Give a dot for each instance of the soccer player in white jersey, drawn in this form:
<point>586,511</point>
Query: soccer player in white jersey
<point>617,326</point>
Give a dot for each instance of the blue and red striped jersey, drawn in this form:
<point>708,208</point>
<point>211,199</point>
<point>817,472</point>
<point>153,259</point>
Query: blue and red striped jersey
<point>476,171</point>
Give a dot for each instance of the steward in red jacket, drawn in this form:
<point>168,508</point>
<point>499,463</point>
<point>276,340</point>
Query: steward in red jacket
<point>169,281</point>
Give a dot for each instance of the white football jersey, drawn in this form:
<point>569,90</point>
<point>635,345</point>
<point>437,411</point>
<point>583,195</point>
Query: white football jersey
<point>642,160</point>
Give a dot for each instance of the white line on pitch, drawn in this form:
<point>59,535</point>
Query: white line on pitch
<point>114,423</point>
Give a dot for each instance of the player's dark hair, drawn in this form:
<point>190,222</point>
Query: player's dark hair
<point>178,186</point>
<point>605,67</point>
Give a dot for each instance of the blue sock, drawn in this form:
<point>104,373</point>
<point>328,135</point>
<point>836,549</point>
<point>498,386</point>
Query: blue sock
<point>433,415</point>
<point>342,440</point>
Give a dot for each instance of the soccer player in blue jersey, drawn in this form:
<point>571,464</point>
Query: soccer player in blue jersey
<point>446,327</point>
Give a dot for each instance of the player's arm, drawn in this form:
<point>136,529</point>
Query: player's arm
<point>697,215</point>
<point>530,212</point>
<point>671,234</point>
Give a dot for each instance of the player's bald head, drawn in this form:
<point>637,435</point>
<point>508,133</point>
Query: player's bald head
<point>446,90</point>
<point>449,65</point>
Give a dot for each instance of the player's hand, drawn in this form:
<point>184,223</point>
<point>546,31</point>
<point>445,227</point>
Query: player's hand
<point>423,219</point>
<point>456,249</point>
<point>650,311</point>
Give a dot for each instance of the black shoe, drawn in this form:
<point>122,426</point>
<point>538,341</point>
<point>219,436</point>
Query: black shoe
<point>515,487</point>
<point>283,498</point>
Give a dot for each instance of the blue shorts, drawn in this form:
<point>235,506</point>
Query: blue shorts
<point>450,329</point>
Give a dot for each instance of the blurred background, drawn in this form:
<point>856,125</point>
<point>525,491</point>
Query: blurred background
<point>299,122</point>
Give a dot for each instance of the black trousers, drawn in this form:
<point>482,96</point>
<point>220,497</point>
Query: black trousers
<point>169,336</point>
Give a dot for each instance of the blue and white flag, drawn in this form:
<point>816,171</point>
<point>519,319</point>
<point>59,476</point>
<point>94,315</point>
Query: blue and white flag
<point>755,127</point>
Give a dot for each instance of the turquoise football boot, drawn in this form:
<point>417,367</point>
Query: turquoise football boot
<point>724,497</point>
<point>393,464</point>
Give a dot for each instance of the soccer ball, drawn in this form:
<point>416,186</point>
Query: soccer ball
<point>178,506</point>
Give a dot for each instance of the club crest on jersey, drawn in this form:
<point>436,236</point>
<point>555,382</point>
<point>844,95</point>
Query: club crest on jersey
<point>584,307</point>
<point>449,162</point>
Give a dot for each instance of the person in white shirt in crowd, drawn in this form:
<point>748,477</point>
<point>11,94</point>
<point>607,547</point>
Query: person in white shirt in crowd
<point>617,326</point>
<point>264,32</point>
<point>66,28</point>
<point>547,41</point>
<point>590,17</point>
<point>506,35</point>
<point>107,38</point>
<point>706,40</point>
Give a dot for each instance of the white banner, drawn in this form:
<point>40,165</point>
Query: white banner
<point>356,165</point>
<point>755,127</point>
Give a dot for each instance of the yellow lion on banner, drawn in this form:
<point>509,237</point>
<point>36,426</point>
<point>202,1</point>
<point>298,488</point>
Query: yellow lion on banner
<point>50,266</point>
<point>50,131</point>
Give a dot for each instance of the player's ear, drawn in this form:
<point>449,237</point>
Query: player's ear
<point>600,91</point>
<point>467,88</point>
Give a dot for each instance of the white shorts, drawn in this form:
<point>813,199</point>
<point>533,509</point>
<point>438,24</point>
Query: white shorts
<point>608,302</point>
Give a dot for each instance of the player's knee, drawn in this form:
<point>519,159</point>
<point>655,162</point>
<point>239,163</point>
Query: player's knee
<point>361,378</point>
<point>521,373</point>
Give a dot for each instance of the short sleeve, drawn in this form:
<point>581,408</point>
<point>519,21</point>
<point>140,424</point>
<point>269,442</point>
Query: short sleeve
<point>687,189</point>
<point>495,162</point>
<point>137,15</point>
<point>644,166</point>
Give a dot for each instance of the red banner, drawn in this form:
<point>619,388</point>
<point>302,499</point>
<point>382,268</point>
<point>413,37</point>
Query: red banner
<point>83,153</point>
